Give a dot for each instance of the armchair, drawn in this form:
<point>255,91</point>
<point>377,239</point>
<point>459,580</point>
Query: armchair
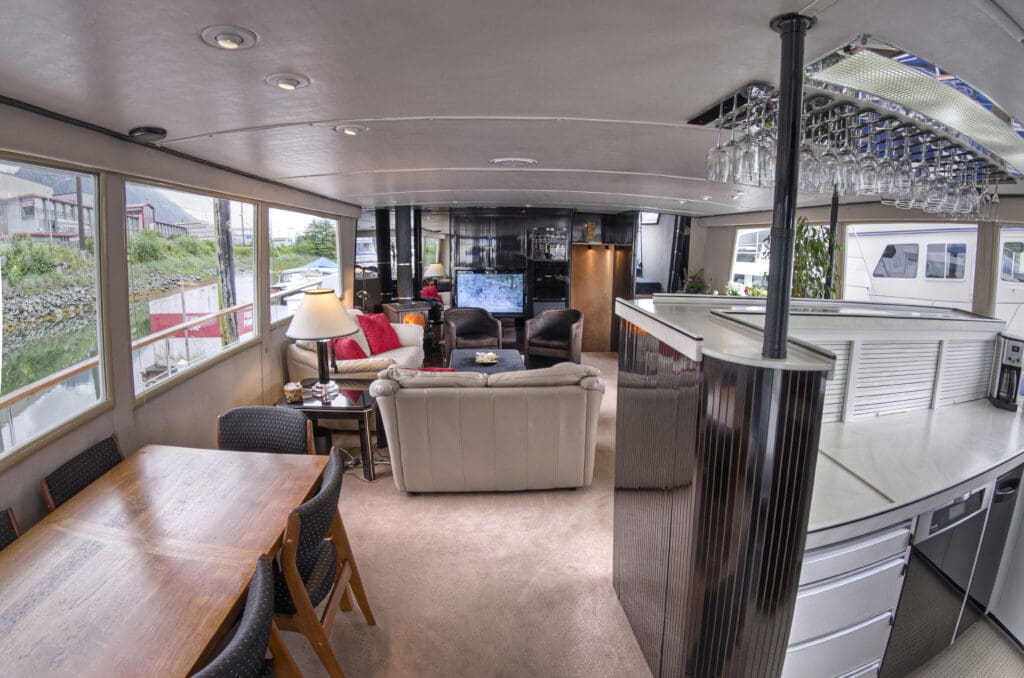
<point>470,328</point>
<point>556,333</point>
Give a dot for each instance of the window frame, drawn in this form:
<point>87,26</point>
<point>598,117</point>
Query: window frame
<point>1018,257</point>
<point>101,240</point>
<point>946,261</point>
<point>917,263</point>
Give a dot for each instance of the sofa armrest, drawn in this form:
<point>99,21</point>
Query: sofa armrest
<point>409,335</point>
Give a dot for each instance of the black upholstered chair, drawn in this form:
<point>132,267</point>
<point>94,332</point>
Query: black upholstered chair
<point>8,528</point>
<point>265,429</point>
<point>245,654</point>
<point>556,333</point>
<point>75,475</point>
<point>470,328</point>
<point>316,562</point>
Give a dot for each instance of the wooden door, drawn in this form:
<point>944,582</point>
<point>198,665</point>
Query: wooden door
<point>593,268</point>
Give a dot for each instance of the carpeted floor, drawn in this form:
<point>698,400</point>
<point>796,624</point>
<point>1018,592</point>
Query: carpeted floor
<point>486,584</point>
<point>983,651</point>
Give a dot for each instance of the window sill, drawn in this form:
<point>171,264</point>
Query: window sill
<point>18,454</point>
<point>164,386</point>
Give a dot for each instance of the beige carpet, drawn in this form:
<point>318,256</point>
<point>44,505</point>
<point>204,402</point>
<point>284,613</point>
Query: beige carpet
<point>983,651</point>
<point>495,584</point>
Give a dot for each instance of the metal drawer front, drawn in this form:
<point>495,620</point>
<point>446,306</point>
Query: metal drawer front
<point>832,561</point>
<point>865,671</point>
<point>835,604</point>
<point>839,653</point>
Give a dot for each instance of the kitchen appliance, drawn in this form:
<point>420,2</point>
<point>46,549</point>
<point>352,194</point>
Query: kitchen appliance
<point>1000,515</point>
<point>934,607</point>
<point>1005,383</point>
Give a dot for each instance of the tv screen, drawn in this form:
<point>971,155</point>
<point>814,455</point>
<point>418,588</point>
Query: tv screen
<point>494,292</point>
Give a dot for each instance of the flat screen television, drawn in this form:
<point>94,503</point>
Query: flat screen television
<point>496,292</point>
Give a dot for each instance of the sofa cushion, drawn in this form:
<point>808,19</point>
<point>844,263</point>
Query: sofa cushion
<point>347,348</point>
<point>379,332</point>
<point>562,374</point>
<point>405,356</point>
<point>407,378</point>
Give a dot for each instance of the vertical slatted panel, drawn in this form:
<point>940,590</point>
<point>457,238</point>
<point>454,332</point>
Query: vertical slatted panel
<point>965,373</point>
<point>894,376</point>
<point>835,390</point>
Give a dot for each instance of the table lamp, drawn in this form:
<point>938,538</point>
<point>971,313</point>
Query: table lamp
<point>320,318</point>
<point>434,271</point>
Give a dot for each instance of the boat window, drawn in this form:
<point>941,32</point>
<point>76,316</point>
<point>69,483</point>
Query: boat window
<point>51,360</point>
<point>303,256</point>
<point>1012,269</point>
<point>190,278</point>
<point>946,260</point>
<point>897,261</point>
<point>750,244</point>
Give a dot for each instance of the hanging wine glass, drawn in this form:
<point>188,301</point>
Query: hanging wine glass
<point>849,165</point>
<point>768,145</point>
<point>887,170</point>
<point>810,168</point>
<point>829,160</point>
<point>869,165</point>
<point>904,183</point>
<point>714,160</point>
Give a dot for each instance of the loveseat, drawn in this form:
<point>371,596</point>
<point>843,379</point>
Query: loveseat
<point>471,432</point>
<point>302,355</point>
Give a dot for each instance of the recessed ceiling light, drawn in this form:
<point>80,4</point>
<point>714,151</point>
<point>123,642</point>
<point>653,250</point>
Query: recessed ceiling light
<point>351,130</point>
<point>737,195</point>
<point>705,197</point>
<point>527,205</point>
<point>147,135</point>
<point>682,202</point>
<point>288,81</point>
<point>229,37</point>
<point>512,162</point>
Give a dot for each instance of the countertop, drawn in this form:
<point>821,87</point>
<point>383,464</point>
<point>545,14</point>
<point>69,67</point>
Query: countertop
<point>903,464</point>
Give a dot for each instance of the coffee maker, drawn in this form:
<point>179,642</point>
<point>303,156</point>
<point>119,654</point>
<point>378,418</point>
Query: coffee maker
<point>1005,382</point>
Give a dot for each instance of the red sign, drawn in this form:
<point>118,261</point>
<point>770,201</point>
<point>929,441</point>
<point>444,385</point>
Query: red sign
<point>207,330</point>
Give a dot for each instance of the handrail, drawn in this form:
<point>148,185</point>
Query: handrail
<point>171,331</point>
<point>293,290</point>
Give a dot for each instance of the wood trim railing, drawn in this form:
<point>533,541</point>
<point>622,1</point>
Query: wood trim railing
<point>292,290</point>
<point>171,331</point>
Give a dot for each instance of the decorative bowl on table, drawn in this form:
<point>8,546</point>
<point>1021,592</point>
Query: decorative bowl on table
<point>486,357</point>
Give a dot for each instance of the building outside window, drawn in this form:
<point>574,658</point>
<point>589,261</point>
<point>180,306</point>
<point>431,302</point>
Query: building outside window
<point>303,255</point>
<point>190,276</point>
<point>749,261</point>
<point>51,367</point>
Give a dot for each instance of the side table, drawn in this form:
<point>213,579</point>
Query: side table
<point>351,403</point>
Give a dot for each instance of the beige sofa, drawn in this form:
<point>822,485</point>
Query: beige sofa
<point>471,432</point>
<point>302,355</point>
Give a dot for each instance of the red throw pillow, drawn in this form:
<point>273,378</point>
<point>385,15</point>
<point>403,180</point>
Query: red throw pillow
<point>430,292</point>
<point>380,335</point>
<point>346,348</point>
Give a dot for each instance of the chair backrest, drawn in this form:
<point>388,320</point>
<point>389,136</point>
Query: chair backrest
<point>243,656</point>
<point>8,528</point>
<point>555,322</point>
<point>75,475</point>
<point>472,320</point>
<point>265,429</point>
<point>308,526</point>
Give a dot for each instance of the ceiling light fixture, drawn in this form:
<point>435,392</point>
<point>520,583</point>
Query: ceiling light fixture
<point>228,37</point>
<point>705,197</point>
<point>288,81</point>
<point>513,162</point>
<point>147,135</point>
<point>351,130</point>
<point>682,202</point>
<point>737,195</point>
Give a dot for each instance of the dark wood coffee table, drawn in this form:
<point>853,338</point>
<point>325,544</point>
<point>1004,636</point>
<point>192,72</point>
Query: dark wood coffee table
<point>464,360</point>
<point>354,402</point>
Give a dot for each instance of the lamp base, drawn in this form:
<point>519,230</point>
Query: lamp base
<point>325,391</point>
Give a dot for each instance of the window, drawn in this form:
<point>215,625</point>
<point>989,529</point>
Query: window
<point>946,260</point>
<point>750,245</point>
<point>897,261</point>
<point>431,248</point>
<point>51,366</point>
<point>303,255</point>
<point>190,278</point>
<point>1012,268</point>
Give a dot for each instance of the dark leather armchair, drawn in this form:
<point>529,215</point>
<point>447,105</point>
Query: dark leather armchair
<point>470,328</point>
<point>555,333</point>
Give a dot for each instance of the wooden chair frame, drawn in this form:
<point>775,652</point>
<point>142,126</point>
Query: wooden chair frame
<point>310,443</point>
<point>51,506</point>
<point>346,580</point>
<point>14,521</point>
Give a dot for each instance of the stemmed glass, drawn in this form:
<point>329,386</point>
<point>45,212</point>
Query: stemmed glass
<point>887,170</point>
<point>903,184</point>
<point>829,162</point>
<point>810,168</point>
<point>849,167</point>
<point>869,166</point>
<point>717,153</point>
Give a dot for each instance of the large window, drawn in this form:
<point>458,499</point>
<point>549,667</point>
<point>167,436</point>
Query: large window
<point>190,277</point>
<point>750,261</point>
<point>50,365</point>
<point>303,255</point>
<point>897,261</point>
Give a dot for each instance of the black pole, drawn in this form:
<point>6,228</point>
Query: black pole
<point>403,252</point>
<point>417,250</point>
<point>833,221</point>
<point>791,28</point>
<point>383,222</point>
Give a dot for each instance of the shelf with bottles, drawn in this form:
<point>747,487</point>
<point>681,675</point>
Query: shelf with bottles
<point>549,244</point>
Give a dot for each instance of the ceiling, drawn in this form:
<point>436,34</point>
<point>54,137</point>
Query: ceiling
<point>596,91</point>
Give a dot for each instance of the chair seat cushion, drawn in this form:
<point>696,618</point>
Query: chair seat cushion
<point>475,341</point>
<point>550,342</point>
<point>379,332</point>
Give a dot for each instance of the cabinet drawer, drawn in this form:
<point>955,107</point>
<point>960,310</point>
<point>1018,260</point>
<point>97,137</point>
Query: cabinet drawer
<point>834,560</point>
<point>841,653</point>
<point>870,671</point>
<point>829,606</point>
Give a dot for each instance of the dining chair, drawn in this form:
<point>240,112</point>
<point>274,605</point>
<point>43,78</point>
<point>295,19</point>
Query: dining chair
<point>316,562</point>
<point>265,429</point>
<point>245,654</point>
<point>75,475</point>
<point>8,528</point>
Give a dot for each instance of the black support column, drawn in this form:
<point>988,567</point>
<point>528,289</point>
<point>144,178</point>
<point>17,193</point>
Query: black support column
<point>383,222</point>
<point>791,28</point>
<point>403,251</point>
<point>417,250</point>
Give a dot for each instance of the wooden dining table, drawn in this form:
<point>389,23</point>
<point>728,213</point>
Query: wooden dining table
<point>145,571</point>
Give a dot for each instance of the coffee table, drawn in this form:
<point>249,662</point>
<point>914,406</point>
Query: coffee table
<point>354,402</point>
<point>464,360</point>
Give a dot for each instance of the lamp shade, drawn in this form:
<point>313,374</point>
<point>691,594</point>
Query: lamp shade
<point>321,315</point>
<point>434,271</point>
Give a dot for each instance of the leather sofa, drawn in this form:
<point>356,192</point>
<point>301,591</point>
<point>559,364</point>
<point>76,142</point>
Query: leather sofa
<point>471,432</point>
<point>302,355</point>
